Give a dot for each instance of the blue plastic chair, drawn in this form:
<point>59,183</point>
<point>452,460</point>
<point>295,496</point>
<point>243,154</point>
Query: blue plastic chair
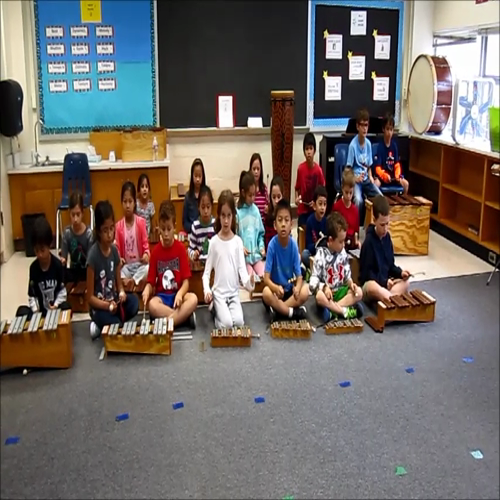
<point>392,188</point>
<point>76,176</point>
<point>340,160</point>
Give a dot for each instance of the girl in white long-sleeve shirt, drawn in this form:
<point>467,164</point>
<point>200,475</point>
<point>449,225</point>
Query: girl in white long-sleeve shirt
<point>226,257</point>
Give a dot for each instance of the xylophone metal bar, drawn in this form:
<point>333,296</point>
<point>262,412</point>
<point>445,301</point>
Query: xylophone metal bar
<point>34,324</point>
<point>3,324</point>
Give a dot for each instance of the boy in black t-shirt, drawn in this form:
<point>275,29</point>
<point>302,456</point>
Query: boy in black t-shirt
<point>46,288</point>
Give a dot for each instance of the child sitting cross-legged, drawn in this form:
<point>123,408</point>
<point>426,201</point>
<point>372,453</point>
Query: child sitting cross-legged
<point>379,275</point>
<point>169,274</point>
<point>202,229</point>
<point>331,279</point>
<point>316,225</point>
<point>345,206</point>
<point>280,294</point>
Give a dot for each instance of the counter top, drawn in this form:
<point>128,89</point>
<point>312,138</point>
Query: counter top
<point>101,166</point>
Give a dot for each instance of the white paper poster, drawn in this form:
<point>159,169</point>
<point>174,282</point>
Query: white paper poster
<point>358,22</point>
<point>334,47</point>
<point>225,103</point>
<point>381,88</point>
<point>357,68</point>
<point>382,46</point>
<point>333,88</point>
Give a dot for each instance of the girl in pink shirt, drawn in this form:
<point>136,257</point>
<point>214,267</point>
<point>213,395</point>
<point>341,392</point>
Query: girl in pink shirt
<point>131,240</point>
<point>261,196</point>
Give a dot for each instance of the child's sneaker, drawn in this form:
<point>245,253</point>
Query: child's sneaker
<point>192,321</point>
<point>350,312</point>
<point>94,331</point>
<point>303,270</point>
<point>273,314</point>
<point>299,313</point>
<point>359,309</point>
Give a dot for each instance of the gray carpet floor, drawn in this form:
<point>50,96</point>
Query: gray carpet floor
<point>309,439</point>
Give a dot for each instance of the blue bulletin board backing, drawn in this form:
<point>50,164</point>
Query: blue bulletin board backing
<point>96,64</point>
<point>340,122</point>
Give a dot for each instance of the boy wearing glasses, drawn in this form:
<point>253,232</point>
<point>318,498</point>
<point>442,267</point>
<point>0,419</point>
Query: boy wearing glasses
<point>359,158</point>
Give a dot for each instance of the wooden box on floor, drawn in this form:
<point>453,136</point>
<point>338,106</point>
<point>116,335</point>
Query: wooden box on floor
<point>77,297</point>
<point>195,282</point>
<point>39,349</point>
<point>410,218</point>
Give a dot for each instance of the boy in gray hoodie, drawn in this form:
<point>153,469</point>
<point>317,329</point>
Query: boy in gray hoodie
<point>331,280</point>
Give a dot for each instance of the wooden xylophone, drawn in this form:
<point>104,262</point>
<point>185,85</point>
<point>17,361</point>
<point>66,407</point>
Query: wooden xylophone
<point>77,296</point>
<point>344,326</point>
<point>38,342</point>
<point>239,336</point>
<point>291,329</point>
<point>411,306</point>
<point>145,337</point>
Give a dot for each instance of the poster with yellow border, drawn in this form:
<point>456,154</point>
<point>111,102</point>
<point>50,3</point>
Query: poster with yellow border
<point>90,11</point>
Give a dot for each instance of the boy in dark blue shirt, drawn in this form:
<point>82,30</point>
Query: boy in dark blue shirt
<point>316,224</point>
<point>285,292</point>
<point>387,167</point>
<point>379,275</point>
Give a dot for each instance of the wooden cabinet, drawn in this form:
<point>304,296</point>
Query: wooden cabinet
<point>41,192</point>
<point>459,182</point>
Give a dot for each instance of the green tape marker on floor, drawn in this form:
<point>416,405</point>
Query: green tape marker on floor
<point>288,497</point>
<point>400,471</point>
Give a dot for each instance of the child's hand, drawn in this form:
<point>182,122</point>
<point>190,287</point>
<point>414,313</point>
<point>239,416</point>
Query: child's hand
<point>208,297</point>
<point>405,275</point>
<point>358,178</point>
<point>356,290</point>
<point>279,292</point>
<point>145,295</point>
<point>358,244</point>
<point>177,301</point>
<point>122,296</point>
<point>298,200</point>
<point>145,258</point>
<point>263,253</point>
<point>63,261</point>
<point>122,261</point>
<point>328,293</point>
<point>390,284</point>
<point>245,251</point>
<point>196,255</point>
<point>112,307</point>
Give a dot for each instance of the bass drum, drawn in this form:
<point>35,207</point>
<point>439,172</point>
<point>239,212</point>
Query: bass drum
<point>430,94</point>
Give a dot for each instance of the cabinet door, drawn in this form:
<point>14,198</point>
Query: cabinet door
<point>41,201</point>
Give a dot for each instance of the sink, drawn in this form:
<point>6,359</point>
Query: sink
<point>51,163</point>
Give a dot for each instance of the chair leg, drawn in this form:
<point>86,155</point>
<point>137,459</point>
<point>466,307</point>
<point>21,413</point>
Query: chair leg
<point>58,222</point>
<point>91,217</point>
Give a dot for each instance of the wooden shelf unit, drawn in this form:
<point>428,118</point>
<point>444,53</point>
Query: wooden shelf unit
<point>459,182</point>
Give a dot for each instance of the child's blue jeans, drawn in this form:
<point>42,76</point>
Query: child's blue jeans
<point>130,309</point>
<point>361,189</point>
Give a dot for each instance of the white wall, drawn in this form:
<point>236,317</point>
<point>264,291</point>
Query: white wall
<point>224,157</point>
<point>459,14</point>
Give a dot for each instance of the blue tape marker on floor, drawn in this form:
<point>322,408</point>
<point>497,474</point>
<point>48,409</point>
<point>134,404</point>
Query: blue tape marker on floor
<point>12,440</point>
<point>260,399</point>
<point>468,360</point>
<point>177,406</point>
<point>122,417</point>
<point>410,369</point>
<point>345,383</point>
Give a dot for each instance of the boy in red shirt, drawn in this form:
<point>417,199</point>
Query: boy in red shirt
<point>309,175</point>
<point>169,274</point>
<point>349,210</point>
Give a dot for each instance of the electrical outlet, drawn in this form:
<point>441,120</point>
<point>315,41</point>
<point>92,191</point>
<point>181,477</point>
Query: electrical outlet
<point>492,257</point>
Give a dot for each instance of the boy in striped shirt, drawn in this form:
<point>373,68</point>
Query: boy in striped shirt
<point>202,229</point>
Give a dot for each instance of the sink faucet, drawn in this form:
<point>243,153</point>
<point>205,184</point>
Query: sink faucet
<point>36,155</point>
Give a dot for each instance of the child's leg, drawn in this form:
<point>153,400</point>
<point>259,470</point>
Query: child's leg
<point>162,307</point>
<point>405,185</point>
<point>249,269</point>
<point>236,311</point>
<point>102,318</point>
<point>223,318</point>
<point>306,255</point>
<point>189,304</point>
<point>130,306</point>
<point>370,190</point>
<point>358,197</point>
<point>272,301</point>
<point>377,182</point>
<point>127,273</point>
<point>372,291</point>
<point>331,305</point>
<point>349,299</point>
<point>399,287</point>
<point>302,298</point>
<point>140,273</point>
<point>259,268</point>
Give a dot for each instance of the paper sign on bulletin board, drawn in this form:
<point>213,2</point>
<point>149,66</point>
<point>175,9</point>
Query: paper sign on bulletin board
<point>90,11</point>
<point>96,64</point>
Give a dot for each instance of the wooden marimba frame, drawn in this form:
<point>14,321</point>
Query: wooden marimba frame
<point>414,305</point>
<point>337,327</point>
<point>291,329</point>
<point>238,336</point>
<point>77,296</point>
<point>38,342</point>
<point>145,337</point>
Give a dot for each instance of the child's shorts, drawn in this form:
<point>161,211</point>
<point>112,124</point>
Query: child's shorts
<point>167,299</point>
<point>340,293</point>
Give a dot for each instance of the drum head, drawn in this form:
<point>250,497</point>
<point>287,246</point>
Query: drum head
<point>422,94</point>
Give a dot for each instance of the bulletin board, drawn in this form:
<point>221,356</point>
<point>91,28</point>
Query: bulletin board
<point>96,64</point>
<point>355,60</point>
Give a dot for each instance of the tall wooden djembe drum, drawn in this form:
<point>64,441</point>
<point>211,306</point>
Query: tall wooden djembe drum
<point>282,116</point>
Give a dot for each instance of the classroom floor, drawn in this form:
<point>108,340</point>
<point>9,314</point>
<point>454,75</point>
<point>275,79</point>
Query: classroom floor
<point>271,421</point>
<point>445,259</point>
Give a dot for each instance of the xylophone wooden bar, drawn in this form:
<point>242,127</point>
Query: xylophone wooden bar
<point>239,336</point>
<point>415,305</point>
<point>344,326</point>
<point>143,338</point>
<point>291,329</point>
<point>37,343</point>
